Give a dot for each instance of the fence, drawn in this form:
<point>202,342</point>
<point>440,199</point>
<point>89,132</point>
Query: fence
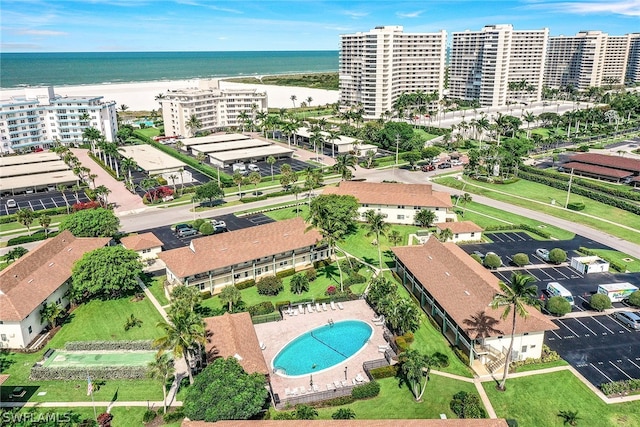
<point>318,396</point>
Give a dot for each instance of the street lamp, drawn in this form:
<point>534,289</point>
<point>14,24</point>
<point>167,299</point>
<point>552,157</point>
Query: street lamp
<point>345,373</point>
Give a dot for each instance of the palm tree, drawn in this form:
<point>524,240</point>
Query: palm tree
<point>159,97</point>
<point>62,188</point>
<point>102,192</point>
<point>45,222</point>
<point>230,295</point>
<point>569,417</point>
<point>377,226</point>
<point>128,164</point>
<point>293,99</point>
<point>529,117</point>
<point>309,101</point>
<point>238,179</point>
<point>76,188</point>
<point>161,369</point>
<point>515,298</point>
<point>173,178</point>
<point>50,312</point>
<point>295,189</point>
<point>395,238</point>
<point>193,124</point>
<point>313,179</point>
<point>254,178</point>
<point>445,235</point>
<point>271,161</point>
<point>415,367</point>
<point>342,165</point>
<point>184,334</point>
<point>91,135</point>
<point>425,218</point>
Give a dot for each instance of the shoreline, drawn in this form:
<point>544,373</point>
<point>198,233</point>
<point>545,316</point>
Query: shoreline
<point>140,96</point>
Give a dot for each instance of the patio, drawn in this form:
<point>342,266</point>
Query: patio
<point>275,335</point>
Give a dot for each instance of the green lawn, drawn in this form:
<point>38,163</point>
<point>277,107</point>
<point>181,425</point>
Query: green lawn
<point>395,401</point>
<point>545,195</point>
<point>149,132</point>
<point>289,212</point>
<point>633,266</point>
<point>358,244</point>
<point>536,401</point>
<point>123,416</point>
<point>104,321</point>
<point>157,289</point>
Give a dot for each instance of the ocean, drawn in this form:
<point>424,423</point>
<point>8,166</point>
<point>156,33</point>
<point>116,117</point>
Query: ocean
<point>84,68</point>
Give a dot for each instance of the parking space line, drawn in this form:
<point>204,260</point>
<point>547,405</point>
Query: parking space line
<point>602,373</point>
<point>555,333</point>
<point>550,276</point>
<point>511,239</point>
<point>531,274</point>
<point>555,269</point>
<point>42,203</point>
<point>522,239</point>
<point>616,366</point>
<point>634,363</point>
<point>538,258</point>
<point>495,237</point>
<point>586,327</point>
<point>577,307</point>
<point>572,331</point>
<point>599,322</point>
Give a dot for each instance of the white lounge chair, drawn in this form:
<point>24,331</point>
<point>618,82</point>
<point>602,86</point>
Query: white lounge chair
<point>359,378</point>
<point>344,383</point>
<point>338,384</point>
<point>333,305</point>
<point>295,312</point>
<point>330,387</point>
<point>316,388</point>
<point>303,390</point>
<point>294,391</point>
<point>318,308</point>
<point>377,319</point>
<point>301,308</point>
<point>262,346</point>
<point>309,308</point>
<point>340,306</point>
<point>287,392</point>
<point>324,306</point>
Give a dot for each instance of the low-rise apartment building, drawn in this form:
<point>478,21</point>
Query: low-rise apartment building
<point>399,202</point>
<point>38,278</point>
<point>213,262</point>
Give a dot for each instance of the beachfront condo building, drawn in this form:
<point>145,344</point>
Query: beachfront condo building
<point>213,108</point>
<point>588,59</point>
<point>40,117</point>
<point>633,66</point>
<point>378,66</point>
<point>497,65</point>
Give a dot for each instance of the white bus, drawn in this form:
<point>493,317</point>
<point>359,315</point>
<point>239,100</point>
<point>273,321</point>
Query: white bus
<point>555,289</point>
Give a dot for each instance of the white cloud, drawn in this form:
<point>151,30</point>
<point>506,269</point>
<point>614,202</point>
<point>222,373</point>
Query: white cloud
<point>47,33</point>
<point>223,38</point>
<point>354,14</point>
<point>415,14</point>
<point>618,7</point>
<point>20,46</point>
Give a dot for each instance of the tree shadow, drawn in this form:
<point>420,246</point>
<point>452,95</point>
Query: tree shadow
<point>369,260</point>
<point>5,360</point>
<point>330,272</point>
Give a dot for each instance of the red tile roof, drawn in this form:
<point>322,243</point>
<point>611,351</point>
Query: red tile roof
<point>384,193</point>
<point>596,170</point>
<point>233,335</point>
<point>613,161</point>
<point>30,280</point>
<point>225,249</point>
<point>460,226</point>
<point>465,422</point>
<point>138,242</point>
<point>462,286</point>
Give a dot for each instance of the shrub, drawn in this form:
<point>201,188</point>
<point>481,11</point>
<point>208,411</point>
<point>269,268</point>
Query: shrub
<point>288,415</point>
<point>621,387</point>
<point>464,358</point>
<point>282,304</point>
<point>299,283</point>
<point>331,290</point>
<point>171,417</point>
<point>104,419</point>
<point>408,337</point>
<point>264,307</point>
<point>338,401</point>
<point>477,258</point>
<point>599,302</point>
<point>92,204</point>
<point>269,285</point>
<point>634,299</point>
<point>558,305</point>
<point>245,285</point>
<point>206,229</point>
<point>467,405</point>
<point>521,259</point>
<point>384,372</point>
<point>198,223</point>
<point>286,273</point>
<point>108,345</point>
<point>402,344</point>
<point>576,206</point>
<point>311,274</point>
<point>557,256</point>
<point>343,414</point>
<point>365,391</point>
<point>441,359</point>
<point>149,416</point>
<point>492,261</point>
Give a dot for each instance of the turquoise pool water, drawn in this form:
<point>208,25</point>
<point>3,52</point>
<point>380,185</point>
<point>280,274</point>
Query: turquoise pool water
<point>322,348</point>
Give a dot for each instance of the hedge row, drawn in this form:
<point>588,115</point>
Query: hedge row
<point>620,387</point>
<point>35,237</point>
<point>612,263</point>
<point>367,390</point>
<point>245,285</point>
<point>614,201</point>
<point>384,372</point>
<point>106,167</point>
<point>547,356</point>
<point>108,345</point>
<point>526,227</point>
<point>40,373</point>
<point>6,219</point>
<point>583,182</point>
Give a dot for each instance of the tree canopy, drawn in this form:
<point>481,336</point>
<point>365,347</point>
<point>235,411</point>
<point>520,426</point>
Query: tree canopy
<point>106,273</point>
<point>91,223</point>
<point>224,391</point>
<point>209,191</point>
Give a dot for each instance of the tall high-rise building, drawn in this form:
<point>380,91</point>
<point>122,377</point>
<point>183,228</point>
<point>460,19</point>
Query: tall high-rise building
<point>588,59</point>
<point>214,108</point>
<point>497,65</point>
<point>40,117</point>
<point>378,66</point>
<point>633,65</point>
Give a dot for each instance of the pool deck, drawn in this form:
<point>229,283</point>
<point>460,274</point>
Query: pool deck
<point>276,335</point>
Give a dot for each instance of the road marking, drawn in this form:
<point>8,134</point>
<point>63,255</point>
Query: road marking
<point>554,333</point>
<point>600,323</point>
<point>30,205</point>
<point>42,203</point>
<point>602,373</point>
<point>634,363</point>
<point>578,308</point>
<point>616,366</point>
<point>539,259</point>
<point>561,272</point>
<point>520,237</point>
<point>563,324</point>
<point>542,270</point>
<point>511,239</point>
<point>589,329</point>
<point>531,274</point>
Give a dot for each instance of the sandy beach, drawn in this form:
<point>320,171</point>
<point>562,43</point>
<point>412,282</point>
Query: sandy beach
<point>141,95</point>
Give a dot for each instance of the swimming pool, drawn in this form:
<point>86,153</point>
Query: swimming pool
<point>322,348</point>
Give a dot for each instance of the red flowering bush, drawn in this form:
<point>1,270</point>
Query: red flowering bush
<point>331,290</point>
<point>158,193</point>
<point>85,205</point>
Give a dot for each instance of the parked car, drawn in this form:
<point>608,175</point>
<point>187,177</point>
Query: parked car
<point>628,318</point>
<point>218,223</point>
<point>218,230</point>
<point>186,232</point>
<point>428,168</point>
<point>239,167</point>
<point>11,203</point>
<point>180,227</point>
<point>253,168</point>
<point>456,162</point>
<point>445,165</point>
<point>479,254</point>
<point>543,253</point>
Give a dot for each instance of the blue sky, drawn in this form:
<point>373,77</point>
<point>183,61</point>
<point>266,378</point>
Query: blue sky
<point>209,25</point>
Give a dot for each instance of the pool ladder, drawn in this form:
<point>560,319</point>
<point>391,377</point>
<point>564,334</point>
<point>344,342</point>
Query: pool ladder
<point>330,322</point>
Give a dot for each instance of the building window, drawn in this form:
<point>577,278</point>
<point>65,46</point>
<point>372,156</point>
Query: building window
<point>400,217</point>
<point>473,234</point>
<point>146,251</point>
<point>30,329</point>
<point>400,207</point>
<point>3,337</point>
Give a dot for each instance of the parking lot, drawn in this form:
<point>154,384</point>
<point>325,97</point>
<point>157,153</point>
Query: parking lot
<point>265,168</point>
<point>41,200</point>
<point>198,178</point>
<point>171,241</point>
<point>599,347</point>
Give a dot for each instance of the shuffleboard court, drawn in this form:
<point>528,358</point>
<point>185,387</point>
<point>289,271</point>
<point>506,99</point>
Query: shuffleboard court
<point>62,358</point>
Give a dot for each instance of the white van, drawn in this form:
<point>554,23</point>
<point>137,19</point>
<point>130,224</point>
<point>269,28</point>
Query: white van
<point>240,167</point>
<point>555,289</point>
